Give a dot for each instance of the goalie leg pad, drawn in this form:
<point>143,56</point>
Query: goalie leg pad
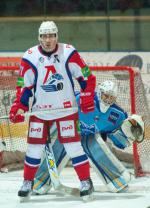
<point>42,179</point>
<point>104,166</point>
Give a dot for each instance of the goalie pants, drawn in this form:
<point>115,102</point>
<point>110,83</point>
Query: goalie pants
<point>67,134</point>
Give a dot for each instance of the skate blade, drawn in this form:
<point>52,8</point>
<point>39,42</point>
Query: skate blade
<point>68,190</point>
<point>88,198</point>
<point>24,199</point>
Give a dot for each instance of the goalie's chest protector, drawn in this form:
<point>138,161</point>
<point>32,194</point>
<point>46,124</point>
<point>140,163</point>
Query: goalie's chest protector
<point>97,121</point>
<point>53,81</point>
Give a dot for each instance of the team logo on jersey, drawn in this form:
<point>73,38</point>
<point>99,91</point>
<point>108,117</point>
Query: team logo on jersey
<point>113,117</point>
<point>41,59</point>
<point>54,83</point>
<point>88,129</point>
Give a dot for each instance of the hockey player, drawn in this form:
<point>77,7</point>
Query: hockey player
<point>46,74</point>
<point>108,120</point>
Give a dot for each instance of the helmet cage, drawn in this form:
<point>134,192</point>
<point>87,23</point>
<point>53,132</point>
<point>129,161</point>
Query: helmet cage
<point>107,93</point>
<point>47,29</point>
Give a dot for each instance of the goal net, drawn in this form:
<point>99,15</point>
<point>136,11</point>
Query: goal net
<point>131,97</point>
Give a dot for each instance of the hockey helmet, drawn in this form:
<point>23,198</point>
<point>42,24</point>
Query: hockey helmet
<point>107,93</point>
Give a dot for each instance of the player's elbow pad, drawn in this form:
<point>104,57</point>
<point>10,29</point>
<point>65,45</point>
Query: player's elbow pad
<point>82,83</point>
<point>26,94</point>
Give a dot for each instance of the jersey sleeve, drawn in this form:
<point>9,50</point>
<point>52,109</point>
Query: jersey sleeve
<point>77,66</point>
<point>25,82</point>
<point>79,69</point>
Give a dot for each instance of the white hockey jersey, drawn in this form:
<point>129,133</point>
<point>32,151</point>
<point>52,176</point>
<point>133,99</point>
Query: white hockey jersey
<point>50,78</point>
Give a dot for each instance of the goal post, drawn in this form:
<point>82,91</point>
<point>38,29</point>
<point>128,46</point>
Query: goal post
<point>131,97</point>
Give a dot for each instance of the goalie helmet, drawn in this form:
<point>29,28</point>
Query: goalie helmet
<point>48,35</point>
<point>107,93</point>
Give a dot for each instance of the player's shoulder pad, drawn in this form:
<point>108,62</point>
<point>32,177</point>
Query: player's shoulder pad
<point>67,47</point>
<point>31,52</point>
<point>118,108</point>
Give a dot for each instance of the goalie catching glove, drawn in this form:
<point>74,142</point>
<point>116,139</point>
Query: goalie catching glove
<point>133,128</point>
<point>87,95</point>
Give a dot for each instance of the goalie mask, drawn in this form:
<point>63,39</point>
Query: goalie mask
<point>107,92</point>
<point>48,35</point>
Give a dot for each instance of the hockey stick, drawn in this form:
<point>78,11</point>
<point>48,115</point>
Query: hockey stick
<point>51,164</point>
<point>53,172</point>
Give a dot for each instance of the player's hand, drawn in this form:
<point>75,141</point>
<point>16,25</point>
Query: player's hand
<point>15,114</point>
<point>137,128</point>
<point>134,128</point>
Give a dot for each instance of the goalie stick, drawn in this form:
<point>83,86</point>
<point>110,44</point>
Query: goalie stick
<point>54,176</point>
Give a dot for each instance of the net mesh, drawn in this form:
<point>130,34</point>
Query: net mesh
<point>131,97</point>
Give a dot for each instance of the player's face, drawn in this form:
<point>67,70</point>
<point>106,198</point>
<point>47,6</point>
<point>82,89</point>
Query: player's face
<point>108,99</point>
<point>48,42</point>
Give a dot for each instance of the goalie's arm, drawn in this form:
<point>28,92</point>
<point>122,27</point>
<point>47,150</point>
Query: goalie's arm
<point>131,130</point>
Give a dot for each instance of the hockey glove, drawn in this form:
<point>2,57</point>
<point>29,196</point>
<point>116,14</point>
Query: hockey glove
<point>20,104</point>
<point>87,95</point>
<point>14,116</point>
<point>134,128</point>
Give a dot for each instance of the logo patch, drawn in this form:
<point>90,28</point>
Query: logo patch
<point>67,104</point>
<point>113,117</point>
<point>54,83</point>
<point>29,51</point>
<point>67,129</point>
<point>36,130</point>
<point>41,59</point>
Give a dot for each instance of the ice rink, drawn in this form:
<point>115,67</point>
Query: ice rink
<point>138,195</point>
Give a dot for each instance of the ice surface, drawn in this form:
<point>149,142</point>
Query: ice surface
<point>139,196</point>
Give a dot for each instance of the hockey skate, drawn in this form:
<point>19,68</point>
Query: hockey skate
<point>86,190</point>
<point>26,190</point>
